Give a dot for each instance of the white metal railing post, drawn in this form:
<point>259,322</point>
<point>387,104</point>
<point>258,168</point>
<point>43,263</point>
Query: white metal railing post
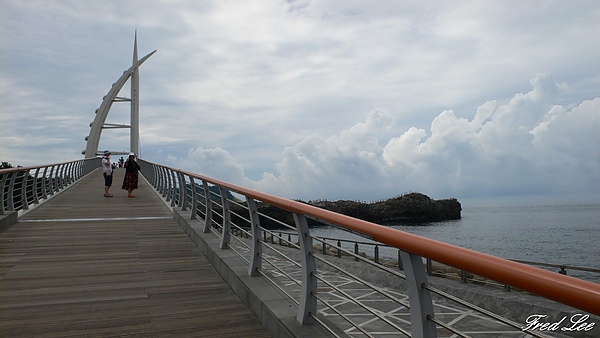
<point>75,171</point>
<point>66,172</point>
<point>45,184</point>
<point>51,181</point>
<point>165,176</point>
<point>256,251</point>
<point>163,182</point>
<point>59,182</point>
<point>168,184</point>
<point>11,189</point>
<point>421,305</point>
<point>2,194</point>
<point>226,218</point>
<point>157,177</point>
<point>208,213</point>
<point>173,181</point>
<point>56,180</point>
<point>60,176</point>
<point>194,198</point>
<point>79,170</point>
<point>152,175</point>
<point>25,178</point>
<point>65,175</point>
<point>308,301</point>
<point>69,173</point>
<point>182,192</point>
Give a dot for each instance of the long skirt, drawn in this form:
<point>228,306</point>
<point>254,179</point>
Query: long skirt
<point>130,181</point>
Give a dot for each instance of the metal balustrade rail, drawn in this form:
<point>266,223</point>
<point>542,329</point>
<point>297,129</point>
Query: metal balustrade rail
<point>213,200</point>
<point>334,246</point>
<point>23,187</point>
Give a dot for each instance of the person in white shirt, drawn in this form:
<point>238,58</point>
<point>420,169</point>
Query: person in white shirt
<point>107,173</point>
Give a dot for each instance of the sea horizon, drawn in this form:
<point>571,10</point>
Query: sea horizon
<point>554,231</point>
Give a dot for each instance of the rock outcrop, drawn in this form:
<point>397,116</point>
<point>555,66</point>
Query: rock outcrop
<point>413,207</point>
<point>409,207</point>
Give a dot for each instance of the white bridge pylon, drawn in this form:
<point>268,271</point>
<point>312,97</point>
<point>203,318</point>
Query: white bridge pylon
<point>96,127</point>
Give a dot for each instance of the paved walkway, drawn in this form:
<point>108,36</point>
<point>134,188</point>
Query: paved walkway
<point>85,265</point>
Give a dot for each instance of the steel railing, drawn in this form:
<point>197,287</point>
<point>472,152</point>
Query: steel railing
<point>382,254</point>
<point>26,186</point>
<point>224,206</point>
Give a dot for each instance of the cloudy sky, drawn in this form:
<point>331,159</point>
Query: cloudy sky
<point>336,99</point>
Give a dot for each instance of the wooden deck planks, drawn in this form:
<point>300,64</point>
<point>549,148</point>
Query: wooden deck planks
<point>85,265</point>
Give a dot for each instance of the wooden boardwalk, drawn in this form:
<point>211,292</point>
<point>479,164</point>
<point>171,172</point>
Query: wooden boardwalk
<point>82,265</point>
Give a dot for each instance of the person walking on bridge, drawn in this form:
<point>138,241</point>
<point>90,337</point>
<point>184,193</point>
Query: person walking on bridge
<point>107,172</point>
<point>130,182</point>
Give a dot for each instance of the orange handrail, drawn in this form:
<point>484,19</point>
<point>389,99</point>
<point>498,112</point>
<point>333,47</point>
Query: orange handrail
<point>564,289</point>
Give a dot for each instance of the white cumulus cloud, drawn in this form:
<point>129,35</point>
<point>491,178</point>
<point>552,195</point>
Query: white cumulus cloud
<point>528,145</point>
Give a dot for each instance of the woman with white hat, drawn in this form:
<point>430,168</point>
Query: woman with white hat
<point>107,172</point>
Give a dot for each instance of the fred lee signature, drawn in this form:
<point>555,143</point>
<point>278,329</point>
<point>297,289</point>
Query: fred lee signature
<point>577,322</point>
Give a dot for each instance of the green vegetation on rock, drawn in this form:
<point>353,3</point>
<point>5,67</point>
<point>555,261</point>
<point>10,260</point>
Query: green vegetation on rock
<point>409,207</point>
<point>412,207</point>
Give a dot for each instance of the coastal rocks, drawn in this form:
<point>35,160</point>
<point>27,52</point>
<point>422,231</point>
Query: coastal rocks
<point>415,207</point>
<point>412,207</point>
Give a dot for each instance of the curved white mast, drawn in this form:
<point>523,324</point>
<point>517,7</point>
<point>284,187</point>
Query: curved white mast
<point>96,127</point>
<point>135,103</point>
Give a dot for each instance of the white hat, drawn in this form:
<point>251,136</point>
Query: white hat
<point>131,154</point>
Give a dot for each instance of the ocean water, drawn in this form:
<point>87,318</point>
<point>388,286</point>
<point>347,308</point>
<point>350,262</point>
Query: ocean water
<point>566,234</point>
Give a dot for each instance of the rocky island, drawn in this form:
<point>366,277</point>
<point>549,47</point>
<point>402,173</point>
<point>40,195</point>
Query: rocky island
<point>412,207</point>
<point>409,207</point>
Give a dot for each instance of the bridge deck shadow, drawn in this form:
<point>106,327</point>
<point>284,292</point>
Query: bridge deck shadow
<point>85,265</point>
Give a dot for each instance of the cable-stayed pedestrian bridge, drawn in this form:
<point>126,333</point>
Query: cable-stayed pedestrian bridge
<point>193,256</point>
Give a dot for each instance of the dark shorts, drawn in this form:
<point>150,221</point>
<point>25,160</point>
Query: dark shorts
<point>107,180</point>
